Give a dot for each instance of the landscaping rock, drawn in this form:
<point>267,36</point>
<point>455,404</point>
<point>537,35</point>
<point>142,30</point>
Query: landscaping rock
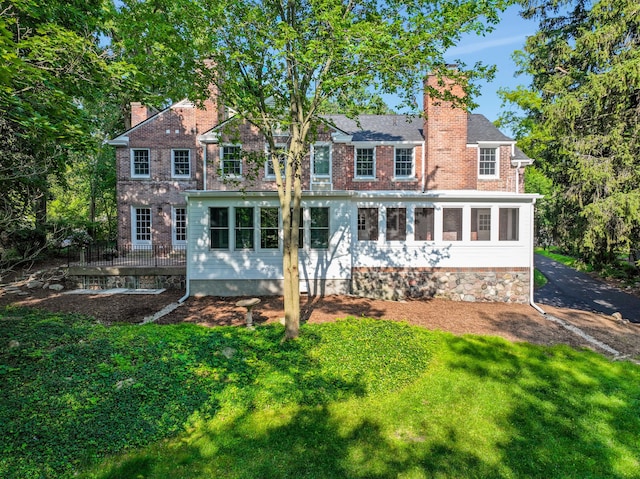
<point>56,287</point>
<point>35,284</point>
<point>228,352</point>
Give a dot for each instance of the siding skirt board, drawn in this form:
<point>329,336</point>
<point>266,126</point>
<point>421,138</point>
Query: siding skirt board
<point>389,245</point>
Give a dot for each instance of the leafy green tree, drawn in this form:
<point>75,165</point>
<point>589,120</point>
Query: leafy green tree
<point>582,116</point>
<point>52,65</point>
<point>278,62</point>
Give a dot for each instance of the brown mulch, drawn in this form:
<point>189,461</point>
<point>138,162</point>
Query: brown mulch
<point>514,322</point>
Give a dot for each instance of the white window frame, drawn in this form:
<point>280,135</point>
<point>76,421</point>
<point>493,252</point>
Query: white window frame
<point>173,163</point>
<point>134,227</point>
<point>222,172</point>
<point>313,159</point>
<point>174,225</point>
<point>355,163</point>
<point>132,163</point>
<point>496,149</point>
<point>271,175</point>
<point>412,174</point>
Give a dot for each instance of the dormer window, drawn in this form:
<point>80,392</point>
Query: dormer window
<point>488,166</point>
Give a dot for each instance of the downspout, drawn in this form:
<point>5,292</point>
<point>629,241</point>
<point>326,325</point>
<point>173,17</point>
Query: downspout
<point>532,267</point>
<point>424,167</point>
<point>186,279</point>
<point>204,166</point>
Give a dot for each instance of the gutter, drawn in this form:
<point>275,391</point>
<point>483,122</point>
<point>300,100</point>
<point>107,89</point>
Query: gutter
<point>532,267</point>
<point>424,167</point>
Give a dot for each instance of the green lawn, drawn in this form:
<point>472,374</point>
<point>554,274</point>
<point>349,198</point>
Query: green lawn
<point>359,398</point>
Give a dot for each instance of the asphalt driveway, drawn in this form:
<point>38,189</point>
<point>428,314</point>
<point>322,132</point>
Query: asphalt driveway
<point>568,288</point>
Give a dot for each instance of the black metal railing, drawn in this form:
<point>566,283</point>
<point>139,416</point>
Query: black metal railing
<point>97,254</point>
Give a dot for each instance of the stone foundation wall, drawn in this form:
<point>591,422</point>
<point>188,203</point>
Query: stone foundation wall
<point>130,282</point>
<point>508,285</point>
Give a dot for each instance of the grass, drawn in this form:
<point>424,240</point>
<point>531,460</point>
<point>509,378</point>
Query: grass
<point>566,260</point>
<point>352,399</point>
<point>539,279</point>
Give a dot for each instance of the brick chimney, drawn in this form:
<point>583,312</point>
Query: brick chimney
<point>139,113</point>
<point>445,132</point>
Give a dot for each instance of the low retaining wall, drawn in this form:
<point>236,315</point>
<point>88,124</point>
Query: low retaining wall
<point>508,285</point>
<point>131,278</point>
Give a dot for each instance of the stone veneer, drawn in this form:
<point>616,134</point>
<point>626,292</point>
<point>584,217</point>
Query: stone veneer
<point>507,285</point>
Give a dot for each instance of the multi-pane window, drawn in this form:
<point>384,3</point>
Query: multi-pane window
<point>321,160</point>
<point>244,228</point>
<point>281,155</point>
<point>319,228</point>
<point>269,228</point>
<point>480,224</point>
<point>365,163</point>
<point>231,160</point>
<point>396,224</point>
<point>424,224</point>
<point>142,225</point>
<point>140,164</point>
<point>508,223</point>
<point>219,227</point>
<point>181,163</point>
<point>488,162</point>
<point>180,225</point>
<point>404,163</point>
<point>367,224</point>
<point>452,224</point>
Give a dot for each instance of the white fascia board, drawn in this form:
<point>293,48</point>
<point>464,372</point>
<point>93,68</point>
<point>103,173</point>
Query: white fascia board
<point>118,141</point>
<point>341,138</point>
<point>522,162</point>
<point>479,144</point>
<point>448,195</point>
<point>209,137</point>
<point>372,144</point>
<point>262,194</point>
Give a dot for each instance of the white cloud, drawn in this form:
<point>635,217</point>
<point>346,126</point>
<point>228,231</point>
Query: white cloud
<point>478,44</point>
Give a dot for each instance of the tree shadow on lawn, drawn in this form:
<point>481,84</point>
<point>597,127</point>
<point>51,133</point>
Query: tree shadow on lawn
<point>572,414</point>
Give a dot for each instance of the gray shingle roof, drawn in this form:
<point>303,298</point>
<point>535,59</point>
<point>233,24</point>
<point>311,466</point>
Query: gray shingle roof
<point>409,128</point>
<point>379,127</point>
<point>479,129</point>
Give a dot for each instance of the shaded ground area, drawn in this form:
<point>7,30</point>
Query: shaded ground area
<point>568,288</point>
<point>514,322</point>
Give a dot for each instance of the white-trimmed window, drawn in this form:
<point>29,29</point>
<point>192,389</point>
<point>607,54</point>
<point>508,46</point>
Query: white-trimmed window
<point>452,224</point>
<point>231,160</point>
<point>244,236</point>
<point>396,224</point>
<point>321,161</point>
<point>488,166</point>
<point>509,224</point>
<point>365,163</point>
<point>269,237</point>
<point>269,171</point>
<point>140,163</point>
<point>480,224</point>
<point>403,163</point>
<point>367,224</point>
<point>141,226</point>
<point>319,228</point>
<point>424,224</point>
<point>179,229</point>
<point>181,163</point>
<point>219,228</point>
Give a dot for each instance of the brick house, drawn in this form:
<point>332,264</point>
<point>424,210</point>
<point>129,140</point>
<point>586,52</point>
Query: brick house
<point>393,206</point>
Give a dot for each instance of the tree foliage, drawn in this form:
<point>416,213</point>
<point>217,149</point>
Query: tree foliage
<point>583,119</point>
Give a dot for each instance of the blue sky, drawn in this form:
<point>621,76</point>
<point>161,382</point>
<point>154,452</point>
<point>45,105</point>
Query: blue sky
<point>495,48</point>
